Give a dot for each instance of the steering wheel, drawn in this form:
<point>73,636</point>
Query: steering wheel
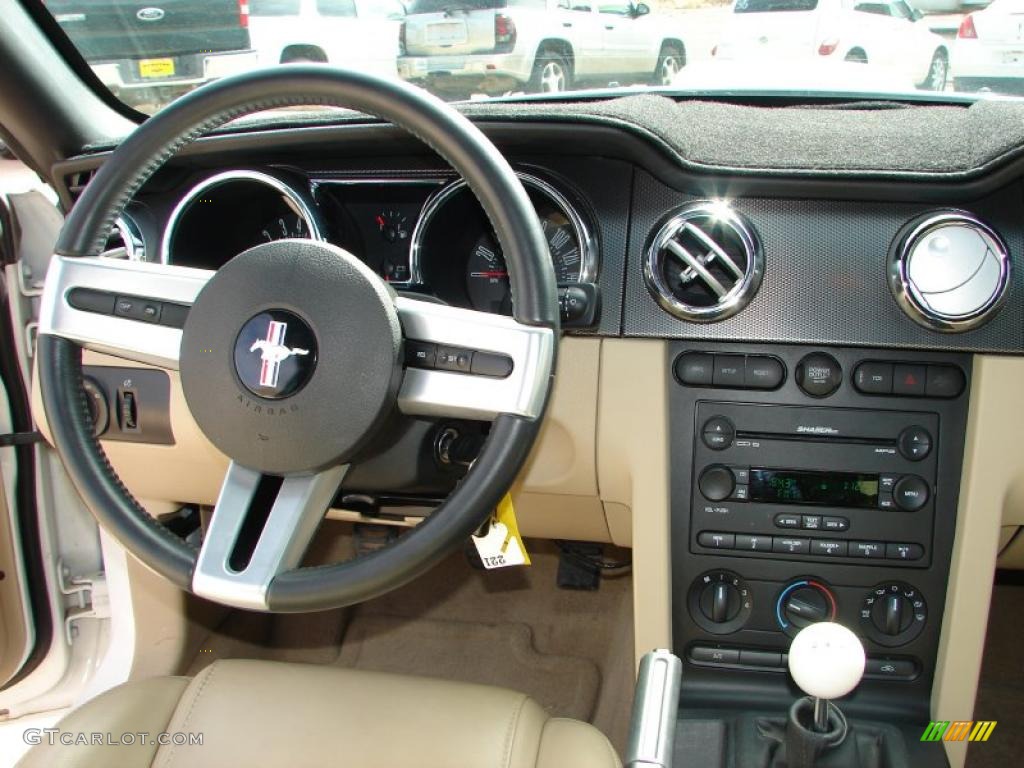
<point>291,356</point>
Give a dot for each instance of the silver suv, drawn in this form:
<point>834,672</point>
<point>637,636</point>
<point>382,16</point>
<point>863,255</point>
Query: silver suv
<point>460,47</point>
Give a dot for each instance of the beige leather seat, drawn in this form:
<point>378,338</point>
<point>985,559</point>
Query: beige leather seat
<point>261,714</point>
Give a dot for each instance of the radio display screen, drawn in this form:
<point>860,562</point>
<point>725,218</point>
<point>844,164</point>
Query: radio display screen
<point>830,489</point>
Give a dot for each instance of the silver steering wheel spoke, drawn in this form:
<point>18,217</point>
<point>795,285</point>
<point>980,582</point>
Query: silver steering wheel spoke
<point>233,572</point>
<point>82,301</point>
<point>436,392</point>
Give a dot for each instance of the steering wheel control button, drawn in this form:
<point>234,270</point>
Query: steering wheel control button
<point>718,433</point>
<point>944,381</point>
<point>717,540</point>
<point>911,493</point>
<point>729,371</point>
<point>695,369</point>
<point>914,443</point>
<point>819,374</point>
<point>716,483</point>
<point>420,354</point>
<point>873,378</point>
<point>763,372</point>
<point>491,364</point>
<point>454,359</point>
<point>275,354</point>
<point>909,380</point>
<point>283,390</point>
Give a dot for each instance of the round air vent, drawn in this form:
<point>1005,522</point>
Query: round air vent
<point>949,271</point>
<point>704,263</point>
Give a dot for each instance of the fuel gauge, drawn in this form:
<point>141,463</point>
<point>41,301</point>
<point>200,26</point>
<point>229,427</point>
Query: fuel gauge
<point>392,225</point>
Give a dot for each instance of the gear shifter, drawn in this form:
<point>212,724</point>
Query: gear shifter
<point>827,661</point>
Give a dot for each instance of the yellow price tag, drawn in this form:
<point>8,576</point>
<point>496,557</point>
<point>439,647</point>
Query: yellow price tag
<point>502,544</point>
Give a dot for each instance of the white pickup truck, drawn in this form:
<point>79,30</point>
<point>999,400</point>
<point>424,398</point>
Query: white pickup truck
<point>463,47</point>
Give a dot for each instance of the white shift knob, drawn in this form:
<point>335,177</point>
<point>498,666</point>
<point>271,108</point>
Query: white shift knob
<point>826,660</point>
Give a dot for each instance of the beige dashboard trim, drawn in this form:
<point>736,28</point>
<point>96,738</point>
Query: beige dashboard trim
<point>992,464</point>
<point>632,471</point>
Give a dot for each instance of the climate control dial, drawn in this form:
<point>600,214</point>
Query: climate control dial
<point>803,602</point>
<point>893,613</point>
<point>720,602</point>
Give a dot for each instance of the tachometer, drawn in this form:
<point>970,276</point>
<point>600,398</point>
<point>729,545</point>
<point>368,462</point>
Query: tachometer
<point>282,227</point>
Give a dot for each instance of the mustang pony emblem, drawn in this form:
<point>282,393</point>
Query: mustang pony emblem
<point>273,352</point>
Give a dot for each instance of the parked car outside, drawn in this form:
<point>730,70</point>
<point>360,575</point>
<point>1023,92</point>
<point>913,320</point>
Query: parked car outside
<point>356,34</point>
<point>988,54</point>
<point>883,33</point>
<point>541,46</point>
<point>147,52</point>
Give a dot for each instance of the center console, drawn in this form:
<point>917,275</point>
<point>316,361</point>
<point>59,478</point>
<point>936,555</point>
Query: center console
<point>812,484</point>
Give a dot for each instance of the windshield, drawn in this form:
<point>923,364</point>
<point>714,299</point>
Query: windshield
<point>149,52</point>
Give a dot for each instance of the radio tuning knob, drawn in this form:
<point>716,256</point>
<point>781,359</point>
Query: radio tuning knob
<point>716,483</point>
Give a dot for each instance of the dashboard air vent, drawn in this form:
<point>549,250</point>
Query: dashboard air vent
<point>949,271</point>
<point>705,263</point>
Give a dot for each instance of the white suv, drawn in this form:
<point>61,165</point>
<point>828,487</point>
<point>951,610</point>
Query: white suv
<point>497,46</point>
<point>358,34</point>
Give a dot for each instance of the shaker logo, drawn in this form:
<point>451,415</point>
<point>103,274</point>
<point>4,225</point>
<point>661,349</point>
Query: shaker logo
<point>273,352</point>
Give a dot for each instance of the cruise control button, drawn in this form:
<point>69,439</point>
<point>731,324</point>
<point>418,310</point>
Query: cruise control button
<point>174,315</point>
<point>763,372</point>
<point>709,655</point>
<point>819,375</point>
<point>787,521</point>
<point>908,380</point>
<point>904,551</point>
<point>454,359</point>
<point>717,540</point>
<point>790,545</point>
<point>914,443</point>
<point>873,378</point>
<point>491,364</point>
<point>695,369</point>
<point>718,433</point>
<point>836,524</point>
<point>420,354</point>
<point>753,543</point>
<point>828,548</point>
<point>944,381</point>
<point>729,371</point>
<point>870,549</point>
<point>910,493</point>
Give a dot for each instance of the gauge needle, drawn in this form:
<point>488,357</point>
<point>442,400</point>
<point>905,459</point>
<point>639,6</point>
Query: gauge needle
<point>492,273</point>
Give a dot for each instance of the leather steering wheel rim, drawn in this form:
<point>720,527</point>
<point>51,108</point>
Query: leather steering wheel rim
<point>492,181</point>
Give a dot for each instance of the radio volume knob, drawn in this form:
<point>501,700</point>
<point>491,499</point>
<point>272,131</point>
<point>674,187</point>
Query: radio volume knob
<point>716,483</point>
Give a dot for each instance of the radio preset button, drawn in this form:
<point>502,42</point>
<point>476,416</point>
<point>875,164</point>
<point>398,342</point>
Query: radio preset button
<point>873,378</point>
<point>787,521</point>
<point>763,372</point>
<point>871,549</point>
<point>819,375</point>
<point>828,548</point>
<point>887,482</point>
<point>911,493</point>
<point>740,493</point>
<point>914,443</point>
<point>716,483</point>
<point>695,368</point>
<point>718,433</point>
<point>717,540</point>
<point>810,522</point>
<point>886,501</point>
<point>836,524</point>
<point>790,545</point>
<point>908,380</point>
<point>753,542</point>
<point>729,371</point>
<point>904,551</point>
